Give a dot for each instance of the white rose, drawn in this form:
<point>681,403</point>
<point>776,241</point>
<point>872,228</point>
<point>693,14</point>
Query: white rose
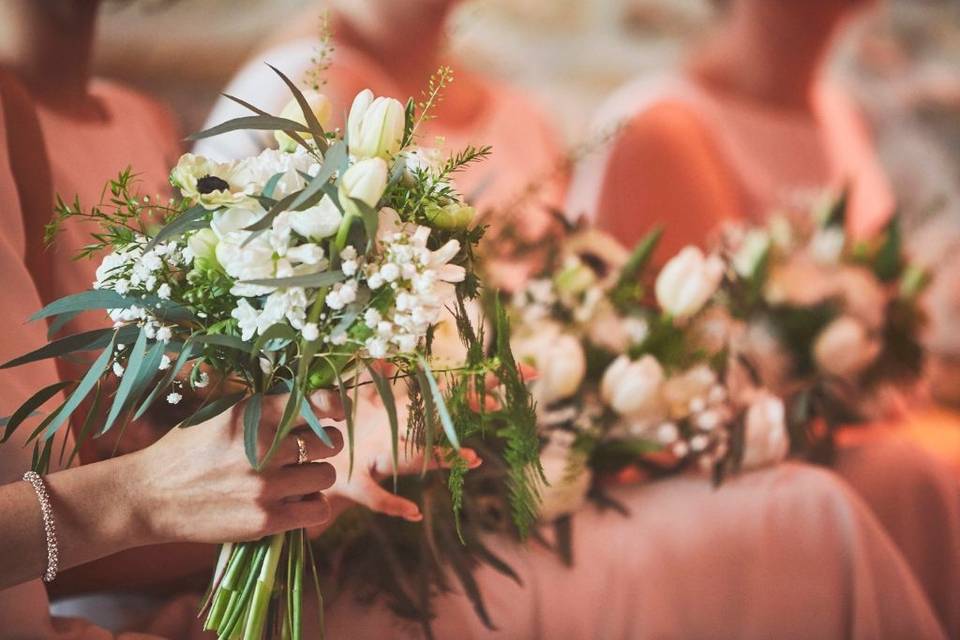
<point>364,181</point>
<point>559,360</point>
<point>317,222</point>
<point>236,219</point>
<point>633,388</point>
<point>766,440</point>
<point>687,282</point>
<point>844,348</point>
<point>375,126</point>
<point>319,105</point>
<point>568,479</point>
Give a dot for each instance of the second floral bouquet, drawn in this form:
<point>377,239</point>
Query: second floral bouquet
<point>636,371</point>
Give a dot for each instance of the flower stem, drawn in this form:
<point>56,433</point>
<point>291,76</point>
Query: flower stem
<point>256,614</point>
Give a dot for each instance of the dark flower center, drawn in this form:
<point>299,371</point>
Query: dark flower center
<point>597,264</point>
<point>209,184</point>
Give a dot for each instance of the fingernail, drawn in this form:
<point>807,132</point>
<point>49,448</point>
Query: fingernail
<point>413,517</point>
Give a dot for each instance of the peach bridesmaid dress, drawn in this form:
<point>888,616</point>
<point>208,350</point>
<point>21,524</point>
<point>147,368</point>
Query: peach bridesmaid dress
<point>89,142</point>
<point>24,610</point>
<point>764,158</point>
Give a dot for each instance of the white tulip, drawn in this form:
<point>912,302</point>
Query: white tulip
<point>844,348</point>
<point>687,282</point>
<point>364,181</point>
<point>375,126</point>
<point>568,479</point>
<point>766,440</point>
<point>633,388</point>
<point>559,360</point>
<point>317,222</point>
<point>322,110</point>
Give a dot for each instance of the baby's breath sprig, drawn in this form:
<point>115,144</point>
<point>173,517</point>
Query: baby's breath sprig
<point>315,76</point>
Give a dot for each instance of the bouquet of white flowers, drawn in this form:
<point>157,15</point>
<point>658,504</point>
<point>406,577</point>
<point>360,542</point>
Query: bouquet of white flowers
<point>830,321</point>
<point>636,368</point>
<point>284,273</point>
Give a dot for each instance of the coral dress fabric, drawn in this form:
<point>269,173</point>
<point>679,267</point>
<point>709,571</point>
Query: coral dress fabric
<point>88,143</point>
<point>24,609</point>
<point>770,158</point>
<point>787,552</point>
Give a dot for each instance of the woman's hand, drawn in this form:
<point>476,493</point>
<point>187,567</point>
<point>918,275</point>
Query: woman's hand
<point>196,484</point>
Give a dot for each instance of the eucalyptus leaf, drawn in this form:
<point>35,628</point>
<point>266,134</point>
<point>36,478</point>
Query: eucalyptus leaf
<point>390,404</point>
<point>251,123</point>
<point>441,404</point>
<point>185,354</point>
<point>251,426</point>
<point>293,134</point>
<point>83,388</point>
<point>332,160</point>
<point>29,408</point>
<point>86,341</point>
<point>314,280</point>
<point>192,218</point>
<point>307,413</point>
<point>319,137</point>
<point>213,409</point>
<point>134,362</point>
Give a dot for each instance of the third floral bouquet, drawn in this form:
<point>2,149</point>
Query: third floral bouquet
<point>636,370</point>
<point>830,320</point>
<point>322,264</point>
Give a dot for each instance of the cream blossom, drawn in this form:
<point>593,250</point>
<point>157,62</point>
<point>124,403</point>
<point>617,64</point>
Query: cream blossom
<point>568,478</point>
<point>558,358</point>
<point>682,392</point>
<point>687,281</point>
<point>317,222</point>
<point>844,348</point>
<point>375,126</point>
<point>633,388</point>
<point>766,440</point>
<point>319,105</point>
<point>211,184</point>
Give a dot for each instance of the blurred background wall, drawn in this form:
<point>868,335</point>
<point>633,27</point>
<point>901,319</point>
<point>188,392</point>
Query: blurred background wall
<point>903,63</point>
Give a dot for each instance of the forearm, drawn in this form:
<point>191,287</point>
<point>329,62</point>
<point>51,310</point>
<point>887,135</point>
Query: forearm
<point>95,512</point>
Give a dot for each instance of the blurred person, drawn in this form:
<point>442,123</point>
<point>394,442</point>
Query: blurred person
<point>392,47</point>
<point>750,123</point>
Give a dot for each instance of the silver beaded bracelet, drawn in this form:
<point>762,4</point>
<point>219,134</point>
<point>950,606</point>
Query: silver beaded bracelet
<point>49,527</point>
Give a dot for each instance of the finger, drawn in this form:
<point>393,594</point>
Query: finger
<point>288,450</point>
<point>285,516</point>
<point>327,404</point>
<point>490,402</point>
<point>414,463</point>
<point>528,373</point>
<point>378,499</point>
<point>300,480</point>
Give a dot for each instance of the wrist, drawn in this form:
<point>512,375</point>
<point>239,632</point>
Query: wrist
<point>144,509</point>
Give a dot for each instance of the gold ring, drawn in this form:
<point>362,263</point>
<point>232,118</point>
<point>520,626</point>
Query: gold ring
<point>301,451</point>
